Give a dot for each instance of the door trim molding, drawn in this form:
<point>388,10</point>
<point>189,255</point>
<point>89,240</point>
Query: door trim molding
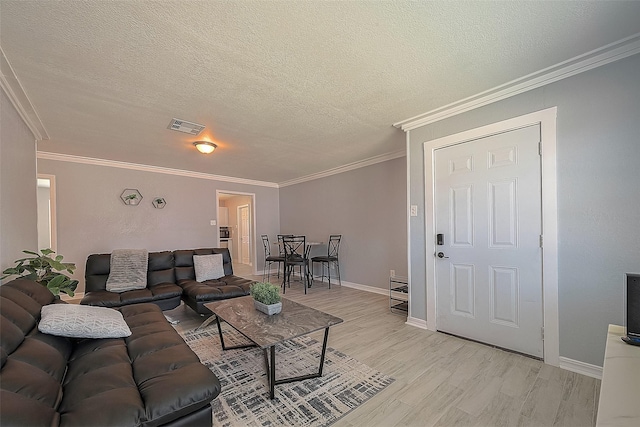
<point>547,120</point>
<point>239,219</point>
<point>53,207</point>
<point>253,253</point>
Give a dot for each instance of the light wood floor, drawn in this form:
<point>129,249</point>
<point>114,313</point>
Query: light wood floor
<point>440,380</point>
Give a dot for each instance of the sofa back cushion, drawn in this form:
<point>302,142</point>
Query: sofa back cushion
<point>160,270</point>
<point>21,301</point>
<point>33,363</point>
<point>183,260</point>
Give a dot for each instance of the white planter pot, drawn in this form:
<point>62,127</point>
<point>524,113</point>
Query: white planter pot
<point>268,309</point>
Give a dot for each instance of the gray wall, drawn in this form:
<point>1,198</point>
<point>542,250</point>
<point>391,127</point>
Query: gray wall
<point>367,206</point>
<point>18,207</point>
<point>91,218</point>
<point>598,172</point>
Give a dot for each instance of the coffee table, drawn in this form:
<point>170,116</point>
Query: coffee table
<point>265,331</point>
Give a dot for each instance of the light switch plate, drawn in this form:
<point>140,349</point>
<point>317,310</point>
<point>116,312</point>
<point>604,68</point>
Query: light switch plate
<point>213,222</point>
<point>414,210</point>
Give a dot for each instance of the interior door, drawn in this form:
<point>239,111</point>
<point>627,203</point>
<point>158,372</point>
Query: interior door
<point>489,257</point>
<point>245,234</point>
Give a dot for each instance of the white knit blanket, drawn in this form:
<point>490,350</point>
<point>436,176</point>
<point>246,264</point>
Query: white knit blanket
<point>128,270</point>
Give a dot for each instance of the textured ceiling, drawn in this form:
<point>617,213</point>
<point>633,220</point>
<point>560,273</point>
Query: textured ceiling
<point>286,89</point>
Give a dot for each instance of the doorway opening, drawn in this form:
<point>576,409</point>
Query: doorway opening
<point>236,215</point>
<point>46,203</point>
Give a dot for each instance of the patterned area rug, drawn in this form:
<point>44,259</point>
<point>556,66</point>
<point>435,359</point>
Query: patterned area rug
<point>244,401</point>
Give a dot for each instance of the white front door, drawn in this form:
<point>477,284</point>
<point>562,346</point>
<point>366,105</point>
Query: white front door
<point>244,215</point>
<point>489,265</point>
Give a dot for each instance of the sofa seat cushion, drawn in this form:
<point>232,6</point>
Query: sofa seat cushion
<point>100,375</point>
<point>31,378</point>
<point>214,290</point>
<point>171,379</point>
<point>158,292</point>
<point>152,376</point>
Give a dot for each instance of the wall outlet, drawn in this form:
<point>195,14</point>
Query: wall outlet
<point>213,222</point>
<point>414,210</point>
<point>392,273</point>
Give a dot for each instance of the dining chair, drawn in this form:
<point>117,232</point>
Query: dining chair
<point>295,254</point>
<point>332,258</point>
<point>281,250</point>
<point>270,259</point>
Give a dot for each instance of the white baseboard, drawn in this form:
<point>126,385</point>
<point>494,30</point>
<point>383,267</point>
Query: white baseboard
<point>366,288</point>
<point>334,281</point>
<point>418,323</point>
<point>583,368</point>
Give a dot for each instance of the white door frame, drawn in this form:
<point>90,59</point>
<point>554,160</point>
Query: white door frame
<point>239,219</point>
<point>547,120</point>
<point>53,227</point>
<point>252,248</point>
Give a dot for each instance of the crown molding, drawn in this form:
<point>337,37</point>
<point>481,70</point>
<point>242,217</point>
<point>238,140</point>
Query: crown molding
<point>345,168</point>
<point>148,168</point>
<point>18,97</point>
<point>579,64</point>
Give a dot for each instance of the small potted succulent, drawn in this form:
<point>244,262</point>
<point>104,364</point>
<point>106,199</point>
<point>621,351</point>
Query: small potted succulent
<point>131,199</point>
<point>266,298</point>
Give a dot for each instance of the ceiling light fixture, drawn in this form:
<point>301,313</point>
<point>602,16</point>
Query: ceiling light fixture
<point>205,147</point>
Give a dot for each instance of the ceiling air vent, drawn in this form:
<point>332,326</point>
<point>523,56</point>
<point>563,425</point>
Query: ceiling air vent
<point>186,127</point>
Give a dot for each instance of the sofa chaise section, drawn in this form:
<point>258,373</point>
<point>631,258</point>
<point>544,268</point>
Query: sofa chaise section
<point>151,378</point>
<point>196,294</point>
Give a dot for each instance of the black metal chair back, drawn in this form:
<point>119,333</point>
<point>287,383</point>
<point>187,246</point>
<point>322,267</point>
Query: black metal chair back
<point>280,244</point>
<point>295,254</point>
<point>334,245</point>
<point>267,249</point>
<point>294,248</point>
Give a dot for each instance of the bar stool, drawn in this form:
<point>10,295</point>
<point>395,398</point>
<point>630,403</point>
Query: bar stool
<point>296,254</point>
<point>332,258</point>
<point>269,259</point>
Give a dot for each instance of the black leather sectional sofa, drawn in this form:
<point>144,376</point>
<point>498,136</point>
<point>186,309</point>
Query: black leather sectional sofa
<point>150,378</point>
<point>170,278</point>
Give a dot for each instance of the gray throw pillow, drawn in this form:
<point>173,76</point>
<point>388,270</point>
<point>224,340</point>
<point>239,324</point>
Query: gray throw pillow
<point>128,270</point>
<point>208,267</point>
<point>82,321</point>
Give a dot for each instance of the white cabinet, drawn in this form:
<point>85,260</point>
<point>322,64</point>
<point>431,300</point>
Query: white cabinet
<point>619,389</point>
<point>223,216</point>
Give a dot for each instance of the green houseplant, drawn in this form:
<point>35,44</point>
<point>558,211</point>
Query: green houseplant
<point>45,270</point>
<point>266,298</point>
<point>131,199</point>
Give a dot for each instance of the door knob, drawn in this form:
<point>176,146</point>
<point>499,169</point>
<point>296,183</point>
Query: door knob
<point>441,255</point>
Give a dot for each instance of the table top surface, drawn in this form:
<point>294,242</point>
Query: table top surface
<point>620,387</point>
<point>293,321</point>
<point>306,243</point>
